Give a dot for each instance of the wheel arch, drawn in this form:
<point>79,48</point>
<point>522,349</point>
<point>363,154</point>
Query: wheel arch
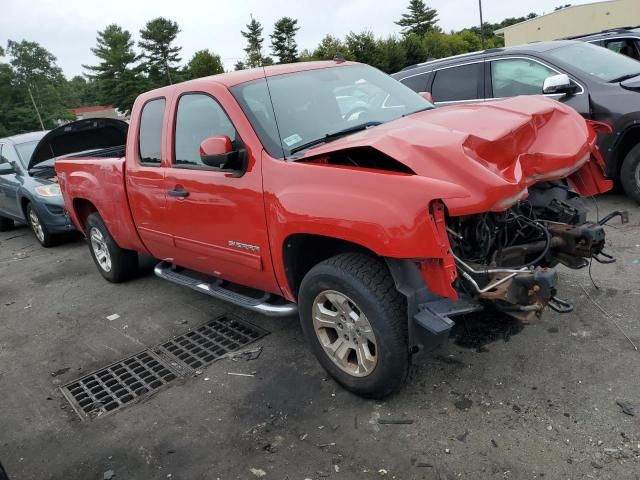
<point>82,208</point>
<point>302,251</point>
<point>629,138</point>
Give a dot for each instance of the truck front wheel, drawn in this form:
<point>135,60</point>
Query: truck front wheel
<point>114,263</point>
<point>355,322</point>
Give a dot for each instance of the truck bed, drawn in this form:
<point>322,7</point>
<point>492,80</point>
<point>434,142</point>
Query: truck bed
<point>96,183</point>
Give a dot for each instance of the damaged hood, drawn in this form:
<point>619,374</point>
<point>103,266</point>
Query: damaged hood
<point>79,136</point>
<point>493,150</point>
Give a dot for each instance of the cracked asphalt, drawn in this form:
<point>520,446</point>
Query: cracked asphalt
<point>533,401</point>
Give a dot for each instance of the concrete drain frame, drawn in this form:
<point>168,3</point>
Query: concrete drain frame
<point>141,375</point>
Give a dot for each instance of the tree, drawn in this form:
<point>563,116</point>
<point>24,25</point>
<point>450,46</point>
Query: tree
<point>36,75</point>
<point>283,40</point>
<point>115,80</point>
<point>363,47</point>
<point>161,57</point>
<point>204,63</point>
<point>328,48</point>
<point>239,65</point>
<point>419,20</point>
<point>254,43</point>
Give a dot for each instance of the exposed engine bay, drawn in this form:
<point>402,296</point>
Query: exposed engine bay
<point>508,257</point>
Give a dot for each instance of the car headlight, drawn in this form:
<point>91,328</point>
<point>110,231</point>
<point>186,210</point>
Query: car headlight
<point>52,190</point>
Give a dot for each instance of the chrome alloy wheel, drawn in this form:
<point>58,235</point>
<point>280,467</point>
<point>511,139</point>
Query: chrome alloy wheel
<point>36,225</point>
<point>100,249</point>
<point>345,333</point>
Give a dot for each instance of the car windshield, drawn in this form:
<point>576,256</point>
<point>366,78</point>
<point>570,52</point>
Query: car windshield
<point>597,61</point>
<point>25,150</point>
<point>296,111</point>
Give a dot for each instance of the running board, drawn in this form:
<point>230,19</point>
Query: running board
<point>214,287</point>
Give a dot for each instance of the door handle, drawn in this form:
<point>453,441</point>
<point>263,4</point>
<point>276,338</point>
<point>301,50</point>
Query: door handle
<point>178,192</point>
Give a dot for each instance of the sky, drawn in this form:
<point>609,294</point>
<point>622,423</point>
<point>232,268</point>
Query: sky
<point>68,28</point>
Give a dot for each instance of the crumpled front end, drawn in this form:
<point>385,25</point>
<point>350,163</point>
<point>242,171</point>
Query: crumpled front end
<point>507,258</point>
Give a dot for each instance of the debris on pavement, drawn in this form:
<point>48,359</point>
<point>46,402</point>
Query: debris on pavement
<point>60,371</point>
<point>108,475</point>
<point>626,407</point>
<point>258,472</point>
<point>248,354</point>
<point>242,374</point>
<point>113,317</point>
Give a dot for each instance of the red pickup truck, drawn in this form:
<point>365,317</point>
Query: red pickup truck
<point>330,189</point>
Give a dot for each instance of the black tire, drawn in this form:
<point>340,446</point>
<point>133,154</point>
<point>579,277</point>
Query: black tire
<point>122,264</point>
<point>3,473</point>
<point>38,228</point>
<point>630,174</point>
<point>367,282</point>
<point>6,224</point>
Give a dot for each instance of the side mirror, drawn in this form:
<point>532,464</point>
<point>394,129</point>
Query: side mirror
<point>7,168</point>
<point>218,152</point>
<point>427,96</point>
<point>560,83</point>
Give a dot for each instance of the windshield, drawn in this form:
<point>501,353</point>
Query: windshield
<point>309,106</point>
<point>25,150</point>
<point>597,61</point>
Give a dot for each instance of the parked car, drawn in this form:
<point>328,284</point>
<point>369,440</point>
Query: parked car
<point>30,196</point>
<point>598,83</point>
<point>625,41</point>
<point>29,190</point>
<point>255,188</point>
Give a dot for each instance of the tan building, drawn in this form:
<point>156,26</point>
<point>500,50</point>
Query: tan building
<point>575,20</point>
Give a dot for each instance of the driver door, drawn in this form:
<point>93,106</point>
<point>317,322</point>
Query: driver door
<point>10,183</point>
<point>217,218</point>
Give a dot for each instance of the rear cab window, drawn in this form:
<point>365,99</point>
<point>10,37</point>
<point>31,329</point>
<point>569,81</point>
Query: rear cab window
<point>624,46</point>
<point>460,83</point>
<point>150,134</point>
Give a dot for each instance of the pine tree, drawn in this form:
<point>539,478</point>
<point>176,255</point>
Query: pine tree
<point>283,40</point>
<point>419,20</point>
<point>161,58</point>
<point>118,81</point>
<point>254,43</point>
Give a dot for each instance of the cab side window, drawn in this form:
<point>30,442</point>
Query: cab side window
<point>198,117</point>
<point>150,137</point>
<point>458,83</point>
<point>518,76</point>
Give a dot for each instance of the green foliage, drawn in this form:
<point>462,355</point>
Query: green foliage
<point>283,40</point>
<point>204,63</point>
<point>115,80</point>
<point>328,48</point>
<point>239,65</point>
<point>419,20</point>
<point>33,91</point>
<point>160,56</point>
<point>254,43</point>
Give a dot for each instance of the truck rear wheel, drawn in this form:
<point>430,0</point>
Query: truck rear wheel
<point>630,174</point>
<point>355,322</point>
<point>114,263</point>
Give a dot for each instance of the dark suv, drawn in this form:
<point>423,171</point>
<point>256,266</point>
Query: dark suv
<point>620,40</point>
<point>597,82</point>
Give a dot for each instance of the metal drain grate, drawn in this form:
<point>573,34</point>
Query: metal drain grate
<point>127,381</point>
<point>207,343</point>
<point>117,385</point>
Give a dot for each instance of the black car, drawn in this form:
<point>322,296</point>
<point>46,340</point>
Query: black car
<point>620,40</point>
<point>598,83</point>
